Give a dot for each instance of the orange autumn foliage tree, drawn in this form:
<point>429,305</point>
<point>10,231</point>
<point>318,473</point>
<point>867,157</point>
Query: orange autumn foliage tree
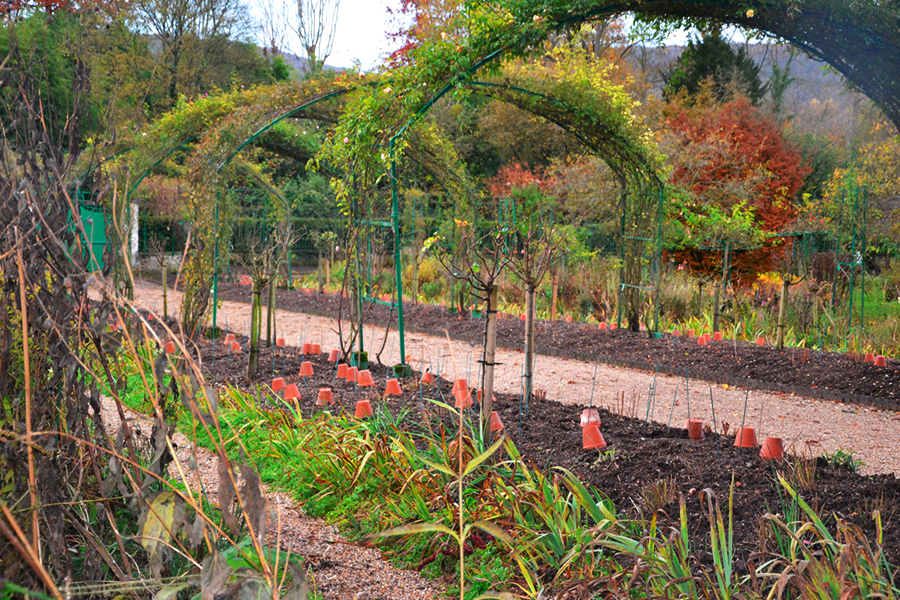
<point>736,147</point>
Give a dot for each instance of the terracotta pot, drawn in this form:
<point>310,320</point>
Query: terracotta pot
<point>602,326</point>
<point>229,338</point>
<point>363,409</point>
<point>745,437</point>
<point>590,417</point>
<point>170,347</point>
<point>760,341</point>
<point>150,317</point>
<point>695,429</point>
<point>442,303</point>
<point>326,396</point>
<point>496,423</point>
<point>880,361</point>
<point>235,347</point>
<point>392,388</point>
<point>364,378</point>
<point>718,337</point>
<point>569,319</point>
<point>278,384</point>
<point>701,341</point>
<point>342,371</point>
<point>870,357</point>
<point>291,391</point>
<point>315,349</point>
<point>676,333</point>
<point>279,342</point>
<point>306,348</point>
<point>522,317</point>
<point>592,438</point>
<point>428,377</point>
<point>690,333</point>
<point>461,393</point>
<point>306,369</point>
<point>493,397</point>
<point>772,449</point>
<point>613,327</point>
<point>333,357</point>
<point>352,373</point>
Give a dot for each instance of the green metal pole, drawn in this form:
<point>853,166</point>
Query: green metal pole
<point>659,221</point>
<point>852,267</point>
<point>395,218</point>
<point>621,265</point>
<point>216,266</point>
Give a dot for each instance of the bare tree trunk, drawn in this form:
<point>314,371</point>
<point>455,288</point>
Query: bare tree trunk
<point>165,290</point>
<point>529,339</point>
<point>553,297</point>
<point>319,276</point>
<point>716,299</point>
<point>721,287</point>
<point>415,277</point>
<point>785,285</point>
<point>270,314</point>
<point>490,345</point>
<point>255,314</point>
<point>327,273</point>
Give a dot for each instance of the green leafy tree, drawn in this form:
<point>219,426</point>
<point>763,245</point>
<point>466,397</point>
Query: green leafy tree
<point>712,57</point>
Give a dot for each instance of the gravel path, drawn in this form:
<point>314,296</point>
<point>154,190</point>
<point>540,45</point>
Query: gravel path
<point>341,570</point>
<point>804,424</point>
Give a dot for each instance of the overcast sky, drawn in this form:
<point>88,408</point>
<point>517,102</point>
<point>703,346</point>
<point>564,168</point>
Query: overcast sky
<point>362,32</point>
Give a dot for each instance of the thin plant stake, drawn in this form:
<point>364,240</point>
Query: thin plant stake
<point>672,412</point>
<point>746,399</point>
<point>712,405</point>
<point>593,383</point>
<point>650,393</point>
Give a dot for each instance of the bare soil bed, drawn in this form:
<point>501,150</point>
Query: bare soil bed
<point>818,374</point>
<point>549,435</point>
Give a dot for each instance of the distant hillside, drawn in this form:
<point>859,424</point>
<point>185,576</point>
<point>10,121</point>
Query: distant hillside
<point>299,63</point>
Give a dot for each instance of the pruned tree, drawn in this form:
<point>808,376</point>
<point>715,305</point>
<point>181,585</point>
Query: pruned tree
<point>478,261</point>
<point>316,25</point>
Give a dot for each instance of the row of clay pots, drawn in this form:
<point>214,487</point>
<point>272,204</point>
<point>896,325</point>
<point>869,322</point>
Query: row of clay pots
<point>772,447</point>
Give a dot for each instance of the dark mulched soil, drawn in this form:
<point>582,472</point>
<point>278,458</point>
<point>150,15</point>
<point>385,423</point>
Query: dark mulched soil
<point>796,367</point>
<point>550,436</point>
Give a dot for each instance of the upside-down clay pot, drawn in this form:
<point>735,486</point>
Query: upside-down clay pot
<point>230,338</point>
<point>772,449</point>
<point>676,333</point>
<point>170,347</point>
<point>235,347</point>
<point>760,341</point>
<point>461,393</point>
<point>428,377</point>
<point>291,391</point>
<point>352,373</point>
<point>701,341</point>
<point>745,437</point>
<point>870,357</point>
<point>592,438</point>
<point>305,349</point>
<point>363,409</point>
<point>695,429</point>
<point>342,371</point>
<point>392,388</point>
<point>880,361</point>
<point>613,326</point>
<point>717,336</point>
<point>364,378</point>
<point>306,369</point>
<point>315,349</point>
<point>569,319</point>
<point>278,384</point>
<point>326,396</point>
<point>496,423</point>
<point>333,356</point>
<point>690,333</point>
<point>522,317</point>
<point>602,326</point>
<point>590,418</point>
<point>279,342</point>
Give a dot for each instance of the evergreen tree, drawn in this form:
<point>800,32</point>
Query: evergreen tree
<point>713,58</point>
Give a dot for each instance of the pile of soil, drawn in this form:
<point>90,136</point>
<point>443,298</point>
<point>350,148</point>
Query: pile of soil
<point>638,454</point>
<point>817,374</point>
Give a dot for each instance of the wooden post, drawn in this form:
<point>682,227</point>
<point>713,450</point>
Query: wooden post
<point>327,272</point>
<point>490,346</point>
